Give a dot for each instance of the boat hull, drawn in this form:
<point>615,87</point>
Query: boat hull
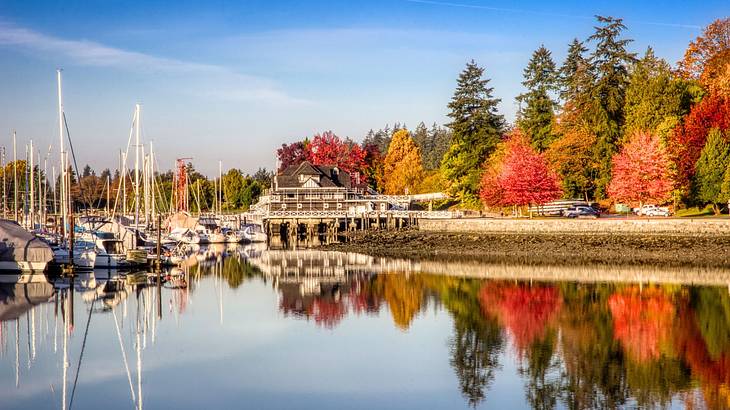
<point>23,266</point>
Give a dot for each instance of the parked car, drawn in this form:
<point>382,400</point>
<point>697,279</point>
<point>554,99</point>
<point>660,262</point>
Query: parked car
<point>652,210</point>
<point>581,211</point>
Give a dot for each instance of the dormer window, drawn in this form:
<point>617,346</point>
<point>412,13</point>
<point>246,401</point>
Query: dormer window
<point>304,178</point>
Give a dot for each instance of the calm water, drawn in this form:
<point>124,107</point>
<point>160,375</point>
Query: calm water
<point>250,328</point>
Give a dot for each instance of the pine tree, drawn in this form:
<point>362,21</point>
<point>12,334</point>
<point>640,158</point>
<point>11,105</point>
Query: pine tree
<point>725,188</point>
<point>87,172</point>
<point>655,99</point>
<point>710,169</point>
<point>476,128</point>
<point>420,137</point>
<point>536,114</point>
<point>439,141</point>
<point>569,71</point>
<point>610,61</point>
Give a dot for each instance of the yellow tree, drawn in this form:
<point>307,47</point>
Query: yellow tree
<point>402,168</point>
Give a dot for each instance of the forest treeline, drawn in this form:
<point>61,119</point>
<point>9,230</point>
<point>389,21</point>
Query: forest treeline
<point>92,189</point>
<point>608,124</point>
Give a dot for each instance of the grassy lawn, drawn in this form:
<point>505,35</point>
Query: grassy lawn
<point>695,212</point>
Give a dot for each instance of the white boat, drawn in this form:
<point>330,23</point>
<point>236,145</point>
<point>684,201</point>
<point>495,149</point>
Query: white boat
<point>234,236</point>
<point>84,257</point>
<point>110,252</point>
<point>184,235</point>
<point>254,233</point>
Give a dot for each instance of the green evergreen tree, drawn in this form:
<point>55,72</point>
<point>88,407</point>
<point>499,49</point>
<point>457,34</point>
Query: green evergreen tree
<point>725,188</point>
<point>711,168</point>
<point>476,127</point>
<point>440,140</point>
<point>537,108</point>
<point>420,137</point>
<point>570,70</point>
<point>655,99</point>
<point>609,63</point>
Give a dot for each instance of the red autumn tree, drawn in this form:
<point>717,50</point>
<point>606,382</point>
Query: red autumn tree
<point>292,154</point>
<point>521,177</point>
<point>641,171</point>
<point>689,138</point>
<point>328,149</point>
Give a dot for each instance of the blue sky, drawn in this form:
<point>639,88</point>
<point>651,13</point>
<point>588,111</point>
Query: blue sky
<point>233,80</point>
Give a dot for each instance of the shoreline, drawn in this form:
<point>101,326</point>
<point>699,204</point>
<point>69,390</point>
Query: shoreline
<point>541,248</point>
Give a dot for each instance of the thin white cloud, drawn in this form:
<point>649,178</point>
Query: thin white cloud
<point>216,81</point>
<point>544,13</point>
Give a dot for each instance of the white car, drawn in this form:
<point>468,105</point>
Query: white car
<point>652,210</point>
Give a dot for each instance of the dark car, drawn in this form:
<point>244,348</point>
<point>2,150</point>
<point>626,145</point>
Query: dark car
<point>581,211</point>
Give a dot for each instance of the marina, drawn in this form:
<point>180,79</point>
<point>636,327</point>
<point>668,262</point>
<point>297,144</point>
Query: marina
<point>109,337</point>
<point>402,204</point>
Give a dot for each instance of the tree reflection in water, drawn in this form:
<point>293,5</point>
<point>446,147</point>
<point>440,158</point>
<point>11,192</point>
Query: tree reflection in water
<point>577,345</point>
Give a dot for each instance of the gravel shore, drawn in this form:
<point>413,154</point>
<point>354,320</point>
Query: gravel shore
<point>711,251</point>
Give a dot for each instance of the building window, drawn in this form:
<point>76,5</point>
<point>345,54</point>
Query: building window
<point>299,206</point>
<point>326,206</point>
<point>283,206</point>
<point>339,206</point>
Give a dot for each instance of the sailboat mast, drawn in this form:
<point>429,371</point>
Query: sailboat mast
<point>15,178</point>
<point>64,206</point>
<point>55,202</point>
<point>152,180</point>
<point>136,165</point>
<point>5,188</point>
<point>220,187</point>
<point>32,188</point>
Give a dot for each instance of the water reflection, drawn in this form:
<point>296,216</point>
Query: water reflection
<point>560,344</point>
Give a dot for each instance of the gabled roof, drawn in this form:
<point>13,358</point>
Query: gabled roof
<point>305,168</point>
<point>329,176</point>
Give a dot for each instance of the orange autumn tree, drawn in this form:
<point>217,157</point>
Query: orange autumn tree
<point>641,171</point>
<point>707,58</point>
<point>402,169</point>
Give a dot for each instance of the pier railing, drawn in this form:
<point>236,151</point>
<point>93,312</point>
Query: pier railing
<point>293,214</point>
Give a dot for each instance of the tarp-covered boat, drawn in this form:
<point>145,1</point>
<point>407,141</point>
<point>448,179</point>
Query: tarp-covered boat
<point>21,296</point>
<point>20,250</point>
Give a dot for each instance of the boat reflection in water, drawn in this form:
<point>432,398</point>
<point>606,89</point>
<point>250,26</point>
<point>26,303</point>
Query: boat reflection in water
<point>336,330</point>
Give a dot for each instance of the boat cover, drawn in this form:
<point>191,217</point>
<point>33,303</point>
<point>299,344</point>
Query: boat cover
<point>19,245</point>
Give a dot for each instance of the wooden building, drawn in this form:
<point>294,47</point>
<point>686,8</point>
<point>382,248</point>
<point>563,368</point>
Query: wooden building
<point>327,189</point>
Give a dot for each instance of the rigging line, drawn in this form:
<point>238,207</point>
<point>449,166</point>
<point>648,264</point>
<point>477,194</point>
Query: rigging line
<point>123,171</point>
<point>124,356</point>
<point>76,166</point>
<point>81,355</point>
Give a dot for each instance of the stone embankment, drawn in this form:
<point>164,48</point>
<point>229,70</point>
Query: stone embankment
<point>622,226</point>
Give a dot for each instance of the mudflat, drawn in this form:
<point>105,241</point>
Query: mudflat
<point>667,250</point>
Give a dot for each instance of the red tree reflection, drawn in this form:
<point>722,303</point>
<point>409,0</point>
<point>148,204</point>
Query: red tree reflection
<point>525,311</point>
<point>713,373</point>
<point>642,321</point>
